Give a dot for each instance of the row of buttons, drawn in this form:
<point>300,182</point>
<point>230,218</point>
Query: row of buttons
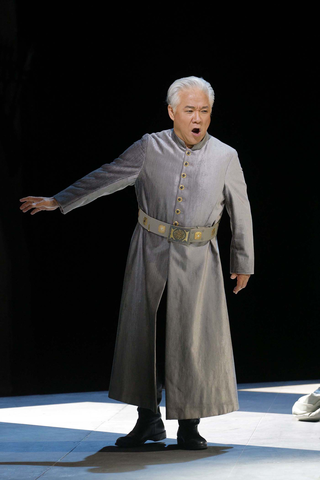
<point>181,187</point>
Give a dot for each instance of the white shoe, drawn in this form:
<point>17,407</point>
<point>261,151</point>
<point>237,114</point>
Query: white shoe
<point>307,408</point>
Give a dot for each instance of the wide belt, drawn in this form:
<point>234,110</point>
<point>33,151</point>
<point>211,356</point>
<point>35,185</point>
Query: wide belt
<point>178,234</point>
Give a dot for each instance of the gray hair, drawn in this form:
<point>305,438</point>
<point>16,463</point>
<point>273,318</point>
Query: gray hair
<point>173,95</point>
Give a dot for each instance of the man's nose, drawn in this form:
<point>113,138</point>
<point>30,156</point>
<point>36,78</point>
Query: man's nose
<point>196,116</point>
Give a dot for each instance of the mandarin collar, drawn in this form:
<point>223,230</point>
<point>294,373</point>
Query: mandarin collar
<point>197,146</point>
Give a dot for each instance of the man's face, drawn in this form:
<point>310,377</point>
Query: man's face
<point>192,116</point>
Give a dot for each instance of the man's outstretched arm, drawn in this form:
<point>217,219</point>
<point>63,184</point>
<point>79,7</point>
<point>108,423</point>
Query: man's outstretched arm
<point>109,178</point>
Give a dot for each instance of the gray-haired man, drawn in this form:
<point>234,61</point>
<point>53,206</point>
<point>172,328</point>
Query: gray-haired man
<point>183,179</point>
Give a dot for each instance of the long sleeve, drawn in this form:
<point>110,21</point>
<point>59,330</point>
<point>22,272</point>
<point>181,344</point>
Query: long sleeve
<point>107,179</point>
<point>238,208</point>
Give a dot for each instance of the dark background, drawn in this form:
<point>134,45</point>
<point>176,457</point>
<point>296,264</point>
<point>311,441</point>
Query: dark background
<point>78,85</point>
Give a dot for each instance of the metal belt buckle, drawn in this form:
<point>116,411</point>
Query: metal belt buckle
<point>179,235</point>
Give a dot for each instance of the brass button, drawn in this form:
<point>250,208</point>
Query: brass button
<point>188,152</point>
<point>179,199</point>
<point>186,164</point>
<point>181,187</point>
<point>178,211</point>
<point>183,175</point>
<point>175,223</point>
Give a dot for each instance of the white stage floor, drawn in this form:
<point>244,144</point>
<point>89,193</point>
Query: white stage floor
<point>64,436</point>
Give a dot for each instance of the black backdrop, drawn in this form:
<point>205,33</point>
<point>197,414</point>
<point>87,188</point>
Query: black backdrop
<point>79,84</point>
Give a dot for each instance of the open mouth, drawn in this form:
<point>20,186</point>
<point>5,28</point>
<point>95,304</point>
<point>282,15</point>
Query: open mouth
<point>196,131</point>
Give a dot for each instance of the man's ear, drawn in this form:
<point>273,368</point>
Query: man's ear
<point>170,112</point>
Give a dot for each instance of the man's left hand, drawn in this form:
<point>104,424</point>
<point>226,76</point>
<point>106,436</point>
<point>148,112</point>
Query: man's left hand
<point>242,281</point>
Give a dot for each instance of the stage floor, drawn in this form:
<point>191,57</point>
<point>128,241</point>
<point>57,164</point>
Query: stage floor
<point>65,436</point>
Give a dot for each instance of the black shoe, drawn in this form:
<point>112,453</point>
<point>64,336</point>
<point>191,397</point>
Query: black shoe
<point>145,429</point>
<point>189,437</point>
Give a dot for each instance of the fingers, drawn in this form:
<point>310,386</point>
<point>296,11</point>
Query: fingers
<point>30,199</point>
<point>242,281</point>
<point>29,205</point>
<point>36,210</point>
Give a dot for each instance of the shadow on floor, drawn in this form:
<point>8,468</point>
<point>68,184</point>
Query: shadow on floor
<point>113,459</point>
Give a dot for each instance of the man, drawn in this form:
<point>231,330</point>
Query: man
<point>183,179</point>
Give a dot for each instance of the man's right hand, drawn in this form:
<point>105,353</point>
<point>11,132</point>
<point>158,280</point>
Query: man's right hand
<point>36,204</point>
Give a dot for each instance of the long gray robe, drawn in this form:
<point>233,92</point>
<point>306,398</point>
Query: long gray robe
<point>200,378</point>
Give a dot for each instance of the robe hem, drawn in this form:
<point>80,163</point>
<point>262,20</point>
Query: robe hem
<point>193,412</point>
<point>201,413</point>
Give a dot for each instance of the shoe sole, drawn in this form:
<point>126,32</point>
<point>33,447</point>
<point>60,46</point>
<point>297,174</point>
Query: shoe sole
<point>187,446</point>
<point>154,438</point>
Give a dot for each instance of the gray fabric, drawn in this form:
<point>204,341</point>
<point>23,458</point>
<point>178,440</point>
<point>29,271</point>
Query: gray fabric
<point>200,378</point>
